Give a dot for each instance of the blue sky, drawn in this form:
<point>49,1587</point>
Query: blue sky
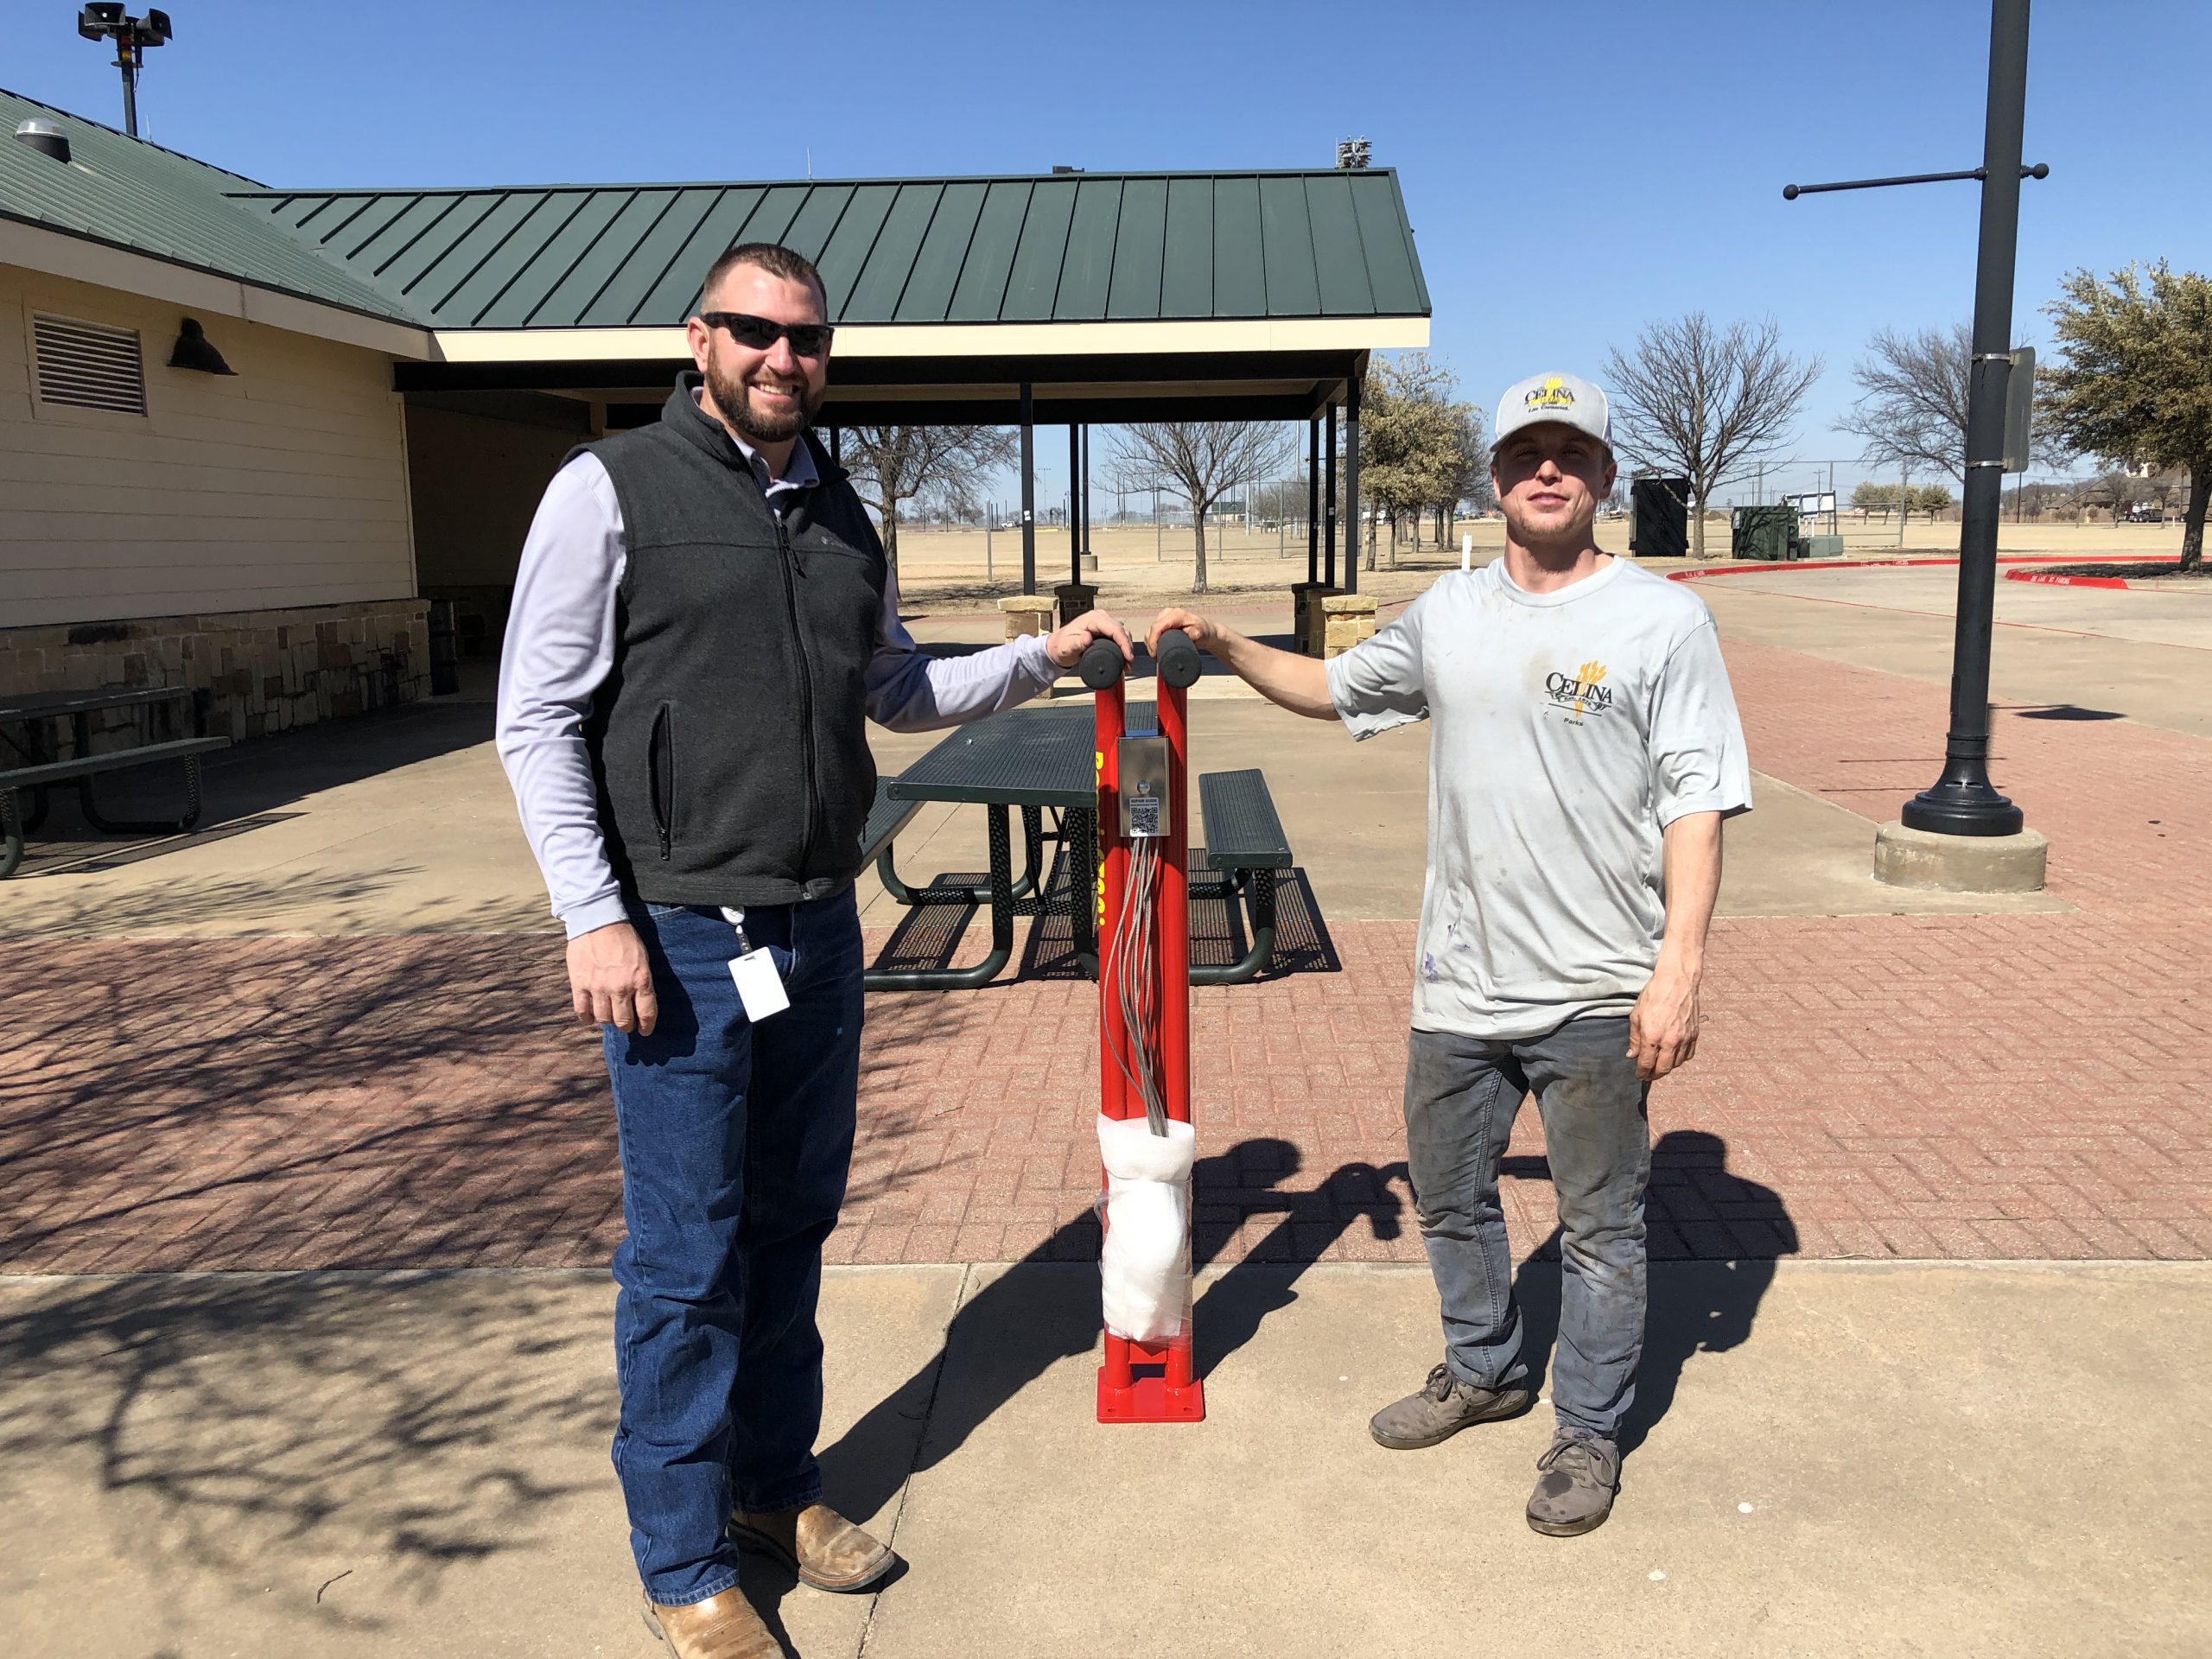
<point>1572,171</point>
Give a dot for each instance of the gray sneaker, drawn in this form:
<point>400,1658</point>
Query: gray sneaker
<point>1444,1407</point>
<point>1574,1493</point>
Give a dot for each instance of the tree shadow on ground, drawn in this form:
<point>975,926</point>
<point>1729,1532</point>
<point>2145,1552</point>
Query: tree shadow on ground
<point>1038,1312</point>
<point>409,1102</point>
<point>246,1430</point>
<point>1716,1236</point>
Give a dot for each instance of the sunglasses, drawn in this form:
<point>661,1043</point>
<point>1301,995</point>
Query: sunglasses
<point>760,334</point>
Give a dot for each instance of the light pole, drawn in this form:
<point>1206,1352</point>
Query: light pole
<point>1961,801</point>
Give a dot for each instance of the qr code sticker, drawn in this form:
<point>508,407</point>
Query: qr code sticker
<point>1144,815</point>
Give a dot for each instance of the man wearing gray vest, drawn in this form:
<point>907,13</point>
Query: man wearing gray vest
<point>1584,749</point>
<point>704,620</point>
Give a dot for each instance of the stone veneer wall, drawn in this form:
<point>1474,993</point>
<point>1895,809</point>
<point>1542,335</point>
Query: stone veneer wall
<point>261,670</point>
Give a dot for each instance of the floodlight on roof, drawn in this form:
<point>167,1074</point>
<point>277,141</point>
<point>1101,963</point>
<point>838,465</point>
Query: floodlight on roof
<point>132,37</point>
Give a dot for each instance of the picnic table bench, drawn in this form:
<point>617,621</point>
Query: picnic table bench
<point>32,764</point>
<point>1245,843</point>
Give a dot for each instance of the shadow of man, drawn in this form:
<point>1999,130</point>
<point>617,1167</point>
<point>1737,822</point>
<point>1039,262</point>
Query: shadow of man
<point>1044,1308</point>
<point>1715,1236</point>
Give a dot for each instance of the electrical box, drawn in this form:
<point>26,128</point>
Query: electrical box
<point>1143,763</point>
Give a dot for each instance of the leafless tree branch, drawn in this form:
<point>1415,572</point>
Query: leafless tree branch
<point>1705,401</point>
<point>1196,463</point>
<point>892,465</point>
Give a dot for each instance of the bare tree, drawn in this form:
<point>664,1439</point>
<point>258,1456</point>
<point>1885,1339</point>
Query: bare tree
<point>1282,500</point>
<point>1705,401</point>
<point>1197,462</point>
<point>1911,407</point>
<point>892,465</point>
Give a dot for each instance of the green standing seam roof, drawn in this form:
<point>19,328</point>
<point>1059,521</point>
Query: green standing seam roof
<point>132,194</point>
<point>1065,248</point>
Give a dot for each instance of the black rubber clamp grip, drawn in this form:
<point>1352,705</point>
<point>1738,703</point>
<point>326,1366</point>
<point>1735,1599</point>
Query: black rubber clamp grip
<point>1179,658</point>
<point>1101,665</point>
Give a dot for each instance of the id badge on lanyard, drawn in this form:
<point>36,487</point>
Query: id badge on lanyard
<point>759,987</point>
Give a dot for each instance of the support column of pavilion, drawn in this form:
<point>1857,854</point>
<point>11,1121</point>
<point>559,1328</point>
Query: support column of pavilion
<point>1075,595</point>
<point>1026,612</point>
<point>1304,596</point>
<point>1338,619</point>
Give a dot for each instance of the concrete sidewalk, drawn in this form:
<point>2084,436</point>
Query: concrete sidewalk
<point>1835,1459</point>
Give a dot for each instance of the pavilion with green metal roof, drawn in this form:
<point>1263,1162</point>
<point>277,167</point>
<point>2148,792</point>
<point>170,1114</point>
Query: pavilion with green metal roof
<point>1072,298</point>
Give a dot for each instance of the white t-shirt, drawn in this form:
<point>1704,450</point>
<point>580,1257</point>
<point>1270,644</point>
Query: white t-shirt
<point>1571,727</point>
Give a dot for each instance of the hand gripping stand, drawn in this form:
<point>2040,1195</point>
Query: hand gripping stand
<point>1144,1030</point>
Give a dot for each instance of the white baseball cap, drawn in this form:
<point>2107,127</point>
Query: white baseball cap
<point>1565,399</point>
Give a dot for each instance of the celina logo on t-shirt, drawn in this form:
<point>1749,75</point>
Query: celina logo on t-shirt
<point>1580,692</point>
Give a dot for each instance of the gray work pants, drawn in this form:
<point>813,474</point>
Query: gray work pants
<point>1462,1094</point>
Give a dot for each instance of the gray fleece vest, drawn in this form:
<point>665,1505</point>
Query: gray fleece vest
<point>729,741</point>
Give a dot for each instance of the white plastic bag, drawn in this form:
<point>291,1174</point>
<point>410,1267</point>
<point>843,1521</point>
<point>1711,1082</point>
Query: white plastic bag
<point>1144,1267</point>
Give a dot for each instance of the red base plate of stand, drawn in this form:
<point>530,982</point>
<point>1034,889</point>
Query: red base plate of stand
<point>1152,1394</point>
<point>1151,1400</point>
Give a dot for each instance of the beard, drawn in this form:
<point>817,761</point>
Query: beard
<point>735,402</point>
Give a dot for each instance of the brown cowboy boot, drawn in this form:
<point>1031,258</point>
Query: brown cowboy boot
<point>721,1627</point>
<point>825,1550</point>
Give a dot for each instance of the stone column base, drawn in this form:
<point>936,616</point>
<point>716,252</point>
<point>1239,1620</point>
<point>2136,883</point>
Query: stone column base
<point>1919,858</point>
<point>1346,619</point>
<point>1303,613</point>
<point>1026,613</point>
<point>1074,597</point>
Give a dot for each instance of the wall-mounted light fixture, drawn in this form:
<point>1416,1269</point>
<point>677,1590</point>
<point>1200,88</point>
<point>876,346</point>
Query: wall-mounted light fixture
<point>195,351</point>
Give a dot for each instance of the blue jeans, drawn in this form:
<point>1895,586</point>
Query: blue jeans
<point>1462,1094</point>
<point>735,1143</point>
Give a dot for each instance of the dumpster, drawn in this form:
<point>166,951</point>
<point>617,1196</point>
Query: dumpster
<point>1659,517</point>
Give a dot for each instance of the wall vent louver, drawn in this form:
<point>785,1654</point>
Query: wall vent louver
<point>89,365</point>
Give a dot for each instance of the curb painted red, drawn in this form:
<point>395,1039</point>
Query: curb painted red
<point>2066,581</point>
<point>1899,564</point>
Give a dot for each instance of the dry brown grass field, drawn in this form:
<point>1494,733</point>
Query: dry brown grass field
<point>943,570</point>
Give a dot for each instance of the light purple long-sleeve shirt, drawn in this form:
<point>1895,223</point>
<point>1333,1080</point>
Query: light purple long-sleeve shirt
<point>560,648</point>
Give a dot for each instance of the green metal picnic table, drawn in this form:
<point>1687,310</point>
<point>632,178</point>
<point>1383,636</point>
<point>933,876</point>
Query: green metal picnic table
<point>1044,761</point>
<point>28,757</point>
<point>1040,760</point>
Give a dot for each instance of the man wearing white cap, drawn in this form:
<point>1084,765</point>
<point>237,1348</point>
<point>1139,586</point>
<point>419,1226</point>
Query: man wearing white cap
<point>1585,751</point>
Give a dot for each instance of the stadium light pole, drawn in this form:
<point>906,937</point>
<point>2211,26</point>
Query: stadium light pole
<point>1962,802</point>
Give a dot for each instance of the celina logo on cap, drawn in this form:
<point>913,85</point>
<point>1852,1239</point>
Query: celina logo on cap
<point>1553,394</point>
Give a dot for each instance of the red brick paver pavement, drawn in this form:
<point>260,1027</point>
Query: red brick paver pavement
<point>2015,1086</point>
